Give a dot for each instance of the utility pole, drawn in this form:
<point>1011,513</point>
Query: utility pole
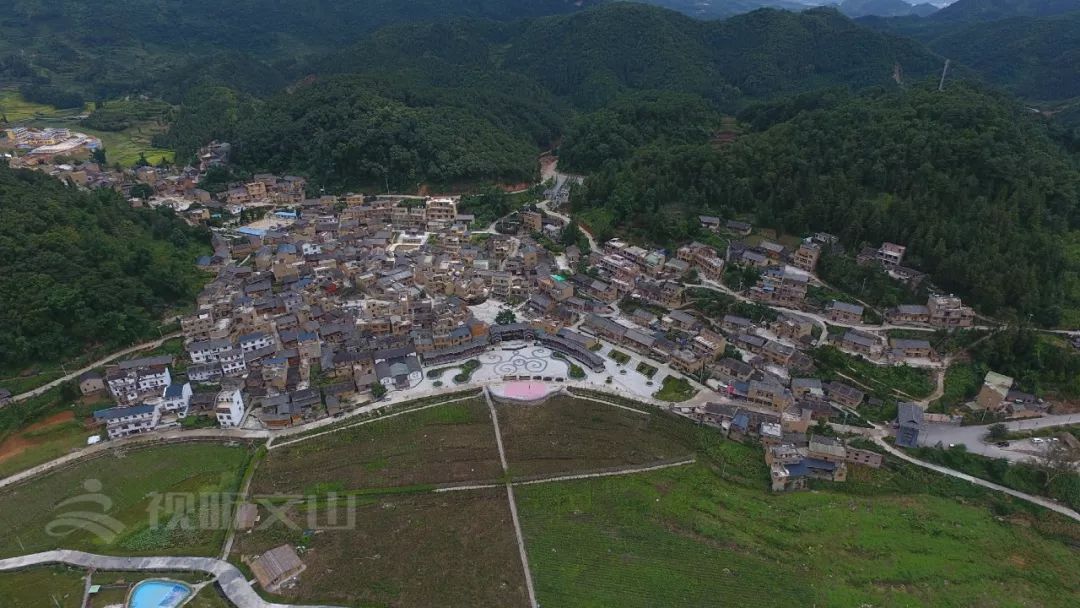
<point>944,72</point>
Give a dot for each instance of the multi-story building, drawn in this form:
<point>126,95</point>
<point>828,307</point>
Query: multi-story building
<point>806,256</point>
<point>123,422</point>
<point>229,408</point>
<point>949,312</point>
<point>133,381</point>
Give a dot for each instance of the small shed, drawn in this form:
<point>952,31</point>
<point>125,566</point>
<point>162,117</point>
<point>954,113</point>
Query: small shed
<point>276,566</point>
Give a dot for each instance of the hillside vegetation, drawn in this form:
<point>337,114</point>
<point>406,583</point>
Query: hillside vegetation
<point>463,101</point>
<point>967,179</point>
<point>82,269</point>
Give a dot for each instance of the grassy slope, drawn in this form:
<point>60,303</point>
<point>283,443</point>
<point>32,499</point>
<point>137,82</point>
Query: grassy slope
<point>121,147</point>
<point>444,444</point>
<point>129,480</point>
<point>688,537</point>
<point>55,587</point>
<point>417,550</point>
<point>566,435</point>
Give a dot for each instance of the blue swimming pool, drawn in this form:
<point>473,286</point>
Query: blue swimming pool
<point>158,594</point>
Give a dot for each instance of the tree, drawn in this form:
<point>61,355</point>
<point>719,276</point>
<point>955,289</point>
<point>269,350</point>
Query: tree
<point>1056,460</point>
<point>98,156</point>
<point>571,234</point>
<point>505,317</point>
<point>142,162</point>
<point>143,191</point>
<point>998,432</point>
<point>378,391</point>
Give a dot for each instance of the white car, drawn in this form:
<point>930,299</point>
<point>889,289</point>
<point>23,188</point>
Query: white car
<point>1037,440</point>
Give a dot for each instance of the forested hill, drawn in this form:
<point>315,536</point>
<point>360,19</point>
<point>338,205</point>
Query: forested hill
<point>81,269</point>
<point>968,180</point>
<point>1030,47</point>
<point>471,100</point>
<point>970,11</point>
<point>76,50</point>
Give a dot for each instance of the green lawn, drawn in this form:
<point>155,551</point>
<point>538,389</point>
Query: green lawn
<point>619,357</point>
<point>646,370</point>
<point>675,390</point>
<point>125,481</point>
<point>691,537</point>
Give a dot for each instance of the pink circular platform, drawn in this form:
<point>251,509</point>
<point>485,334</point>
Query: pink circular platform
<point>524,391</point>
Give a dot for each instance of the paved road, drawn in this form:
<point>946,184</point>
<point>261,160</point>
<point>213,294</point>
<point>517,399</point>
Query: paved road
<point>972,436</point>
<point>231,580</point>
<point>96,364</point>
<point>1038,500</point>
<point>592,241</point>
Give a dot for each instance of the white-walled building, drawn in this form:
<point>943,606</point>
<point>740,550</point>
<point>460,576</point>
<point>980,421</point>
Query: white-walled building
<point>255,341</point>
<point>176,399</point>
<point>126,421</point>
<point>229,408</point>
<point>208,351</point>
<point>133,381</point>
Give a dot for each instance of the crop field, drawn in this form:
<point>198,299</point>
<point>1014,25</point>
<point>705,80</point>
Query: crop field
<point>567,435</point>
<point>19,110</point>
<point>689,536</point>
<point>448,443</point>
<point>123,147</point>
<point>406,551</point>
<point>121,486</point>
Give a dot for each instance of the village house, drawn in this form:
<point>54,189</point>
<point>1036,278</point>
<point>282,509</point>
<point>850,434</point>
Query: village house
<point>844,312</point>
<point>90,383</point>
<point>229,408</point>
<point>902,348</point>
<point>993,395</point>
<point>806,256</point>
<point>909,423</point>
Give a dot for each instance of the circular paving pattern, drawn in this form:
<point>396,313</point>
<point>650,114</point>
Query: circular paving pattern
<point>518,362</point>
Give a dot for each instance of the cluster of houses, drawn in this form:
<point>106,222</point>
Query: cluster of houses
<point>148,398</point>
<point>40,146</point>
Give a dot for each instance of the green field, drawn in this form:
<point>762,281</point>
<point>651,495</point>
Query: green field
<point>567,435</point>
<point>445,444</point>
<point>690,537</point>
<point>416,550</point>
<point>19,110</point>
<point>122,147</point>
<point>42,587</point>
<point>125,481</point>
<point>39,445</point>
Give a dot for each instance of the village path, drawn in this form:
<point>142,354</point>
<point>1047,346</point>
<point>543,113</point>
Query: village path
<point>513,503</point>
<point>545,206</point>
<point>96,364</point>
<point>229,578</point>
<point>1036,500</point>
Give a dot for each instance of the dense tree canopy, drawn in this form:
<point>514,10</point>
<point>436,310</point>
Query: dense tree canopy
<point>82,269</point>
<point>968,180</point>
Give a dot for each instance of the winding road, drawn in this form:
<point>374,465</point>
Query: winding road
<point>96,364</point>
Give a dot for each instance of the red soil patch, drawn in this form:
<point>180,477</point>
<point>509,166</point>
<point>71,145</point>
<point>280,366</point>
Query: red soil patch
<point>17,444</point>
